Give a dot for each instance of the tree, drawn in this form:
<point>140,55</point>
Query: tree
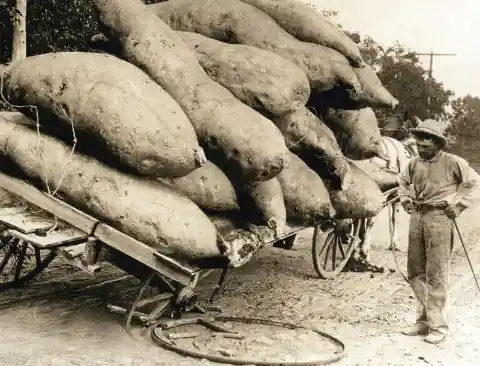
<point>52,26</point>
<point>464,129</point>
<point>19,38</point>
<point>403,75</point>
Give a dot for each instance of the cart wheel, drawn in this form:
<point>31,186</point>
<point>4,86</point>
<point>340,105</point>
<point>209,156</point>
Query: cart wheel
<point>286,243</point>
<point>20,262</point>
<point>332,249</point>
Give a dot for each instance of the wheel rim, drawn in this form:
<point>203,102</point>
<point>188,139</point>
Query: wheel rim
<point>20,262</point>
<point>331,252</point>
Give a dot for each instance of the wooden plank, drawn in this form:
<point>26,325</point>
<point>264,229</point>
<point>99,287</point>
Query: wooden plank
<point>185,268</point>
<point>140,252</point>
<point>77,262</point>
<point>65,212</point>
<point>75,250</point>
<point>55,239</point>
<point>7,210</point>
<point>26,222</point>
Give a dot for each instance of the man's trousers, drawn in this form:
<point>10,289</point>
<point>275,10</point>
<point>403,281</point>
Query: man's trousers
<point>428,266</point>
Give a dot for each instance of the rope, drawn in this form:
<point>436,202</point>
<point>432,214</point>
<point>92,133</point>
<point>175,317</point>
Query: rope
<point>40,151</point>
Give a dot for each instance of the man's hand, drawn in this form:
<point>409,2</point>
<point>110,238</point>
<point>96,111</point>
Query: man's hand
<point>453,211</point>
<point>408,206</point>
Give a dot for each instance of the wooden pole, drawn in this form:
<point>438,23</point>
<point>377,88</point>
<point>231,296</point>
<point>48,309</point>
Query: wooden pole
<point>431,54</point>
<point>19,41</point>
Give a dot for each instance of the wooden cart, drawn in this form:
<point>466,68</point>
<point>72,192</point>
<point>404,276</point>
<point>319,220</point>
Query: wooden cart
<point>31,241</point>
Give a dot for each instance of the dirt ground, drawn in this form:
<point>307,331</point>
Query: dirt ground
<point>62,320</point>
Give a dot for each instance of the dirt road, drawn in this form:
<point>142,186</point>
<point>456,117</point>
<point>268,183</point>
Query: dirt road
<point>61,320</point>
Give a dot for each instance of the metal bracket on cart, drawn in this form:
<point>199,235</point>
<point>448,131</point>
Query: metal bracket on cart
<point>174,302</point>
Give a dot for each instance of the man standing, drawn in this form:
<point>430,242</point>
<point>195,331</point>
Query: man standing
<point>435,188</point>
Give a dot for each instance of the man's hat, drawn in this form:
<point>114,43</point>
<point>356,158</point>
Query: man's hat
<point>433,128</point>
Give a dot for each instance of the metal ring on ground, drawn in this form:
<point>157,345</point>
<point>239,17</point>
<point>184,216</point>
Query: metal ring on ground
<point>165,343</point>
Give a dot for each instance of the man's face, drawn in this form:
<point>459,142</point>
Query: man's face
<point>427,148</point>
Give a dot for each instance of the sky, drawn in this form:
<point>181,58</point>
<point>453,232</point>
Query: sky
<point>442,26</point>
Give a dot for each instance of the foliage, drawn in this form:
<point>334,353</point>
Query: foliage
<point>464,129</point>
<point>401,72</point>
<point>52,26</point>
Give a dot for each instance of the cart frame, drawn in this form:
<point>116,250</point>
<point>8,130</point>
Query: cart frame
<point>175,280</point>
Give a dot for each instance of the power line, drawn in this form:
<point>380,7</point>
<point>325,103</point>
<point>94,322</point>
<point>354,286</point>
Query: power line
<point>432,54</point>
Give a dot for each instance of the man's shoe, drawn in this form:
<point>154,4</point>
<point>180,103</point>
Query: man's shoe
<point>435,337</point>
<point>416,329</point>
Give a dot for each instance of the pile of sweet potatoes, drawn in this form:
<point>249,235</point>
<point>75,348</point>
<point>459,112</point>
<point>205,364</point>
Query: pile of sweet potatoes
<point>204,128</point>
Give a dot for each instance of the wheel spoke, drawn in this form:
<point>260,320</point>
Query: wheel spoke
<point>329,247</point>
<point>334,252</point>
<point>342,251</point>
<point>21,259</point>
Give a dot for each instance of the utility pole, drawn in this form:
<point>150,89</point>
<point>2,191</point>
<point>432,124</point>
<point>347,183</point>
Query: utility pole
<point>432,54</point>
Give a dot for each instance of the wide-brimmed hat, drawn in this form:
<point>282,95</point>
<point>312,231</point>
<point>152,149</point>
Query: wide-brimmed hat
<point>433,128</point>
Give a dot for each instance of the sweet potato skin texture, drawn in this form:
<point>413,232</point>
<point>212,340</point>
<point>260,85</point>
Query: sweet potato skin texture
<point>263,80</point>
<point>232,21</point>
<point>372,94</point>
<point>373,91</point>
<point>229,130</point>
<point>306,198</point>
<point>113,103</point>
<point>266,201</point>
<point>140,207</point>
<point>362,199</point>
<point>309,25</point>
<point>208,187</point>
<point>384,179</point>
<point>309,138</point>
<point>356,131</point>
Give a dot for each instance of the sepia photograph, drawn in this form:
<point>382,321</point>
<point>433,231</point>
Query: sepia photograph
<point>239,182</point>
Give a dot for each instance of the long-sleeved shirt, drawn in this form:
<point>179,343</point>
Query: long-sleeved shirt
<point>445,177</point>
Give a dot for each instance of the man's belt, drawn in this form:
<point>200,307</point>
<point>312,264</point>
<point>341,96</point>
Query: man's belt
<point>425,207</point>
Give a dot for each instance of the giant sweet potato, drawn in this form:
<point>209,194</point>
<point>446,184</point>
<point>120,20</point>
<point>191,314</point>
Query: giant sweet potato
<point>232,21</point>
<point>111,101</point>
<point>362,199</point>
<point>306,198</point>
<point>208,187</point>
<point>384,178</point>
<point>372,94</point>
<point>356,131</point>
<point>140,207</point>
<point>230,130</point>
<point>263,80</point>
<point>314,142</point>
<point>309,25</point>
<point>263,204</point>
